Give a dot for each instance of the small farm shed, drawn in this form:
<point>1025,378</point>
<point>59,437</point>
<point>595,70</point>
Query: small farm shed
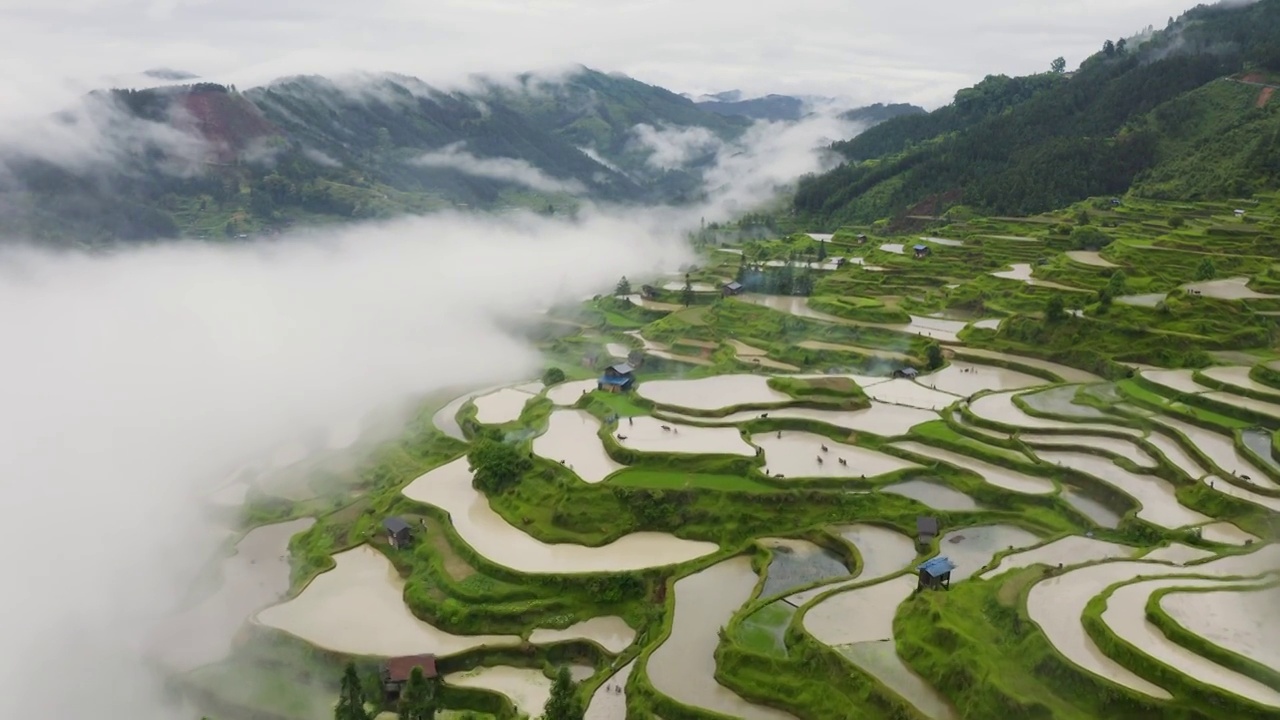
<point>731,288</point>
<point>927,528</point>
<point>909,373</point>
<point>921,250</point>
<point>399,534</point>
<point>617,378</point>
<point>396,672</point>
<point>935,573</point>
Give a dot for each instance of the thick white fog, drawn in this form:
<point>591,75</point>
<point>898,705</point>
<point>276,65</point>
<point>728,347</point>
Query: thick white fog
<point>130,384</point>
<point>133,382</point>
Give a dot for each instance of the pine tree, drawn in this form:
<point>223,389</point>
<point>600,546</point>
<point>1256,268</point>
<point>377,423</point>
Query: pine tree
<point>563,704</point>
<point>351,698</point>
<point>624,287</point>
<point>418,701</point>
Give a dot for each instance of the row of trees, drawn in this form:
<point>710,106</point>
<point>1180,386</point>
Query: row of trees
<point>420,698</point>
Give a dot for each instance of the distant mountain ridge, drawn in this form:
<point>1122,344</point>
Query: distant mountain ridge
<point>732,103</point>
<point>1157,115</point>
<point>206,160</point>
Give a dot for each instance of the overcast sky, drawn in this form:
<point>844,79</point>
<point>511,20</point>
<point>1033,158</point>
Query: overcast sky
<point>920,51</point>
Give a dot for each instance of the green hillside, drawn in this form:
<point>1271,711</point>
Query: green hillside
<point>1165,113</point>
<point>312,149</point>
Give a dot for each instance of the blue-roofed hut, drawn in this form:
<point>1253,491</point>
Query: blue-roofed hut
<point>935,573</point>
<point>617,378</point>
<point>921,250</point>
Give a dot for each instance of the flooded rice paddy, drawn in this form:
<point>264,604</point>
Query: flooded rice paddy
<point>251,579</point>
<point>1099,512</point>
<point>683,666</point>
<point>503,406</point>
<point>568,393</point>
<point>1227,289</point>
<point>1160,504</point>
<point>879,419</point>
<point>972,548</point>
<point>999,407</point>
<point>1227,534</point>
<point>649,434</point>
<point>965,379</point>
<point>1064,552</point>
<point>1221,451</point>
<point>358,608</point>
<point>796,563</point>
<point>572,438</point>
<point>796,454</point>
<point>527,688</point>
<point>1056,604</point>
<point>1022,273</point>
<point>610,699</point>
<point>1067,373</point>
<point>910,393</point>
<point>713,393</point>
<point>1089,257</point>
<point>448,487</point>
<point>1144,300</point>
<point>1060,400</point>
<point>1241,621</point>
<point>1178,554</point>
<point>996,475</point>
<point>1126,617</point>
<point>609,632</point>
<point>934,494</point>
<point>1116,446</point>
<point>880,660</point>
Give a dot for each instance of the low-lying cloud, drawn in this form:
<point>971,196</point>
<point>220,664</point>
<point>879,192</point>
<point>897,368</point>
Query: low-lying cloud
<point>133,382</point>
<point>497,168</point>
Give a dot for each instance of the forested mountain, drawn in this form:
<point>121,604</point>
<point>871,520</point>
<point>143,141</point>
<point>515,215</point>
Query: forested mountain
<point>207,160</point>
<point>1184,112</point>
<point>789,107</point>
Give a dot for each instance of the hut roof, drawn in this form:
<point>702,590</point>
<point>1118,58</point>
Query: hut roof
<point>395,524</point>
<point>937,567</point>
<point>735,285</point>
<point>927,525</point>
<point>622,368</point>
<point>399,669</point>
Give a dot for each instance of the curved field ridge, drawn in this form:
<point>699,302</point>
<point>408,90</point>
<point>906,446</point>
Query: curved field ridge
<point>879,419</point>
<point>683,667</point>
<point>1159,502</point>
<point>996,475</point>
<point>1067,551</point>
<point>999,407</point>
<point>358,608</point>
<point>1241,621</point>
<point>884,552</point>
<point>448,487</point>
<point>1126,617</point>
<point>1057,604</point>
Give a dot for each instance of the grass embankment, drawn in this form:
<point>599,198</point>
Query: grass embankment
<point>1174,631</point>
<point>976,645</point>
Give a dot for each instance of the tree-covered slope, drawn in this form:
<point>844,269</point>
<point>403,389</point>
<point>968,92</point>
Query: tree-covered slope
<point>206,160</point>
<point>1138,111</point>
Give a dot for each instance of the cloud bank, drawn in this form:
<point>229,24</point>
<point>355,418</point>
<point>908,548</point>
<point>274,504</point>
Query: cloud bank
<point>133,382</point>
<point>498,168</point>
